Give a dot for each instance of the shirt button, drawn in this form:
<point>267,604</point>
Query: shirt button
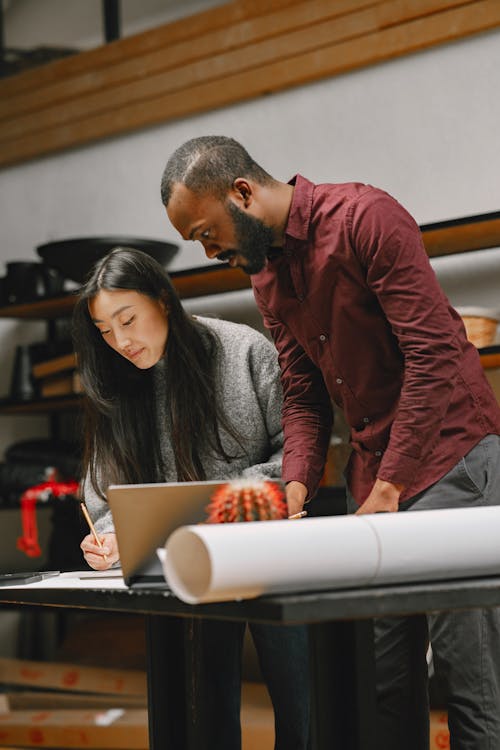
<point>322,337</point>
<point>366,420</point>
<point>378,453</point>
<point>339,381</point>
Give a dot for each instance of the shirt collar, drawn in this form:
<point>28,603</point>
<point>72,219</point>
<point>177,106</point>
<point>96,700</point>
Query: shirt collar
<point>297,228</point>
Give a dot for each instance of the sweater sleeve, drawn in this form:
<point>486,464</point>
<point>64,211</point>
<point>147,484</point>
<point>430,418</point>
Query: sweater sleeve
<point>265,375</point>
<point>99,510</point>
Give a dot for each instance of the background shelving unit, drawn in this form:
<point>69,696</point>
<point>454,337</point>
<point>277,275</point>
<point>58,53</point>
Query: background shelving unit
<point>442,238</point>
<point>211,279</point>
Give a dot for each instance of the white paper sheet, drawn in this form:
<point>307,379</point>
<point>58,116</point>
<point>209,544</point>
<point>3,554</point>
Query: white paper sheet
<point>92,579</point>
<point>220,562</point>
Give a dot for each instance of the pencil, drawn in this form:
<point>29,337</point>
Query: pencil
<point>298,515</point>
<point>91,526</point>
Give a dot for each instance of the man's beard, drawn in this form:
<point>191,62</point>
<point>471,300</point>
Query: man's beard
<point>253,239</point>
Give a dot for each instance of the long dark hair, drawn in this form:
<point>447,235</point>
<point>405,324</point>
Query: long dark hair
<point>121,440</point>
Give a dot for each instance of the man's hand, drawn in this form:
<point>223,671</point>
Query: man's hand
<point>296,494</point>
<point>383,497</point>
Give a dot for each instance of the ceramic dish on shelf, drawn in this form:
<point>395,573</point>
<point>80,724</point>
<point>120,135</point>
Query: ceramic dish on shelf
<point>74,257</point>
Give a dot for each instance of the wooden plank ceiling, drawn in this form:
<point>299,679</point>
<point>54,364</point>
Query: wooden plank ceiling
<point>237,51</point>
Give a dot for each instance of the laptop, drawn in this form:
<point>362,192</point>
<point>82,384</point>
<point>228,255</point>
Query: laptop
<point>144,516</point>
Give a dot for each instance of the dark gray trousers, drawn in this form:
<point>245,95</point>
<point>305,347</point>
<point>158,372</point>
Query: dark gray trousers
<point>465,644</point>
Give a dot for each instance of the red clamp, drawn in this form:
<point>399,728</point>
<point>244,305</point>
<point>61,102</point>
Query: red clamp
<point>28,542</point>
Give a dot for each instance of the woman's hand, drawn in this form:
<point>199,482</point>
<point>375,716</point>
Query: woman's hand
<point>97,557</point>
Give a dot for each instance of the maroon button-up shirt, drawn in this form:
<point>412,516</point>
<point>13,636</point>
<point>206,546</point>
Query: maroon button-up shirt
<point>358,317</point>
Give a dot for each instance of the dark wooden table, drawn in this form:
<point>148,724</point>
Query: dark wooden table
<point>340,628</point>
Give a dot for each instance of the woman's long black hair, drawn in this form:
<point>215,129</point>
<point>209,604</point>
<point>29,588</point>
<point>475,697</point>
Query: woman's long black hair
<point>121,440</point>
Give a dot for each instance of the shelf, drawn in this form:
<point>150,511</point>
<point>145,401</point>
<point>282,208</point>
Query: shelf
<point>490,356</point>
<point>212,279</point>
<point>462,235</point>
<point>40,406</point>
<point>44,309</point>
<point>441,238</point>
<point>192,282</point>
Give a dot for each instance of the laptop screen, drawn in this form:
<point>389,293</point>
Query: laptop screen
<point>144,516</point>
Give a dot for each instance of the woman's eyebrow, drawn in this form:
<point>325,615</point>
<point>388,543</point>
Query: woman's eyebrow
<point>114,314</point>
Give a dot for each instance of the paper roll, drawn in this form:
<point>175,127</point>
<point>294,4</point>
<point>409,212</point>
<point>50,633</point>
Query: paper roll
<point>437,544</point>
<point>220,562</point>
<point>210,563</point>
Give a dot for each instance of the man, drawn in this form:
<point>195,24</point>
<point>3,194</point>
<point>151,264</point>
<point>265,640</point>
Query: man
<point>345,287</point>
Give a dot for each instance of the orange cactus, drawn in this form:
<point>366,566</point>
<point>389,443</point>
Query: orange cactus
<point>247,501</point>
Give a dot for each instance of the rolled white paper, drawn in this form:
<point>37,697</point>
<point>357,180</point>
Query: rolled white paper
<point>215,562</point>
<point>437,544</point>
<point>221,562</point>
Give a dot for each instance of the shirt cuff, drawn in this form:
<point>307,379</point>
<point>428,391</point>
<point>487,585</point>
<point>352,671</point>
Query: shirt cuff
<point>299,474</point>
<point>398,468</point>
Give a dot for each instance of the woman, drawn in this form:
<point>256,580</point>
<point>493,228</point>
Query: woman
<point>170,397</point>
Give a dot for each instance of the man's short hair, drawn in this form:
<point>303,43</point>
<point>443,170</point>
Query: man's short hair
<point>209,165</point>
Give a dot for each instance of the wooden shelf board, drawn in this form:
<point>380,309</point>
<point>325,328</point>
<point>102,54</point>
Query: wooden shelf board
<point>462,235</point>
<point>489,361</point>
<point>41,406</point>
<point>44,309</point>
<point>237,51</point>
<point>209,280</point>
<point>189,283</point>
<point>441,238</point>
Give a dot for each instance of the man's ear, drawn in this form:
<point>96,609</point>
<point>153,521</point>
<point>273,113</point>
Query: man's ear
<point>242,192</point>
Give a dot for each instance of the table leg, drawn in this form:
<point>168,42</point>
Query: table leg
<point>166,682</point>
<point>342,685</point>
<point>174,683</point>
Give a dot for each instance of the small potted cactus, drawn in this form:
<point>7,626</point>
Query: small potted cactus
<point>247,500</point>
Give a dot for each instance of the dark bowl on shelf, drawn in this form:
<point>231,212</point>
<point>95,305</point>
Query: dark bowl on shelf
<point>75,257</point>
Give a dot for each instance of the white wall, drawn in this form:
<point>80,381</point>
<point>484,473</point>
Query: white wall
<point>423,127</point>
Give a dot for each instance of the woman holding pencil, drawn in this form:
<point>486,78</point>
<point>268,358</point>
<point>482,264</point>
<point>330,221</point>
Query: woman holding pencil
<point>172,397</point>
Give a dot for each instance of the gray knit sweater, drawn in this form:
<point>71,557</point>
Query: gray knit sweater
<point>249,391</point>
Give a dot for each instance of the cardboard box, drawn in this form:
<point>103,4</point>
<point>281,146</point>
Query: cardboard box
<point>257,720</point>
<point>107,728</point>
<point>257,717</point>
<point>115,728</point>
<point>104,727</point>
<point>72,677</point>
<point>23,700</point>
<point>440,735</point>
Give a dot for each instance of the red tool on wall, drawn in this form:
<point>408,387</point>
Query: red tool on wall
<point>28,542</point>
